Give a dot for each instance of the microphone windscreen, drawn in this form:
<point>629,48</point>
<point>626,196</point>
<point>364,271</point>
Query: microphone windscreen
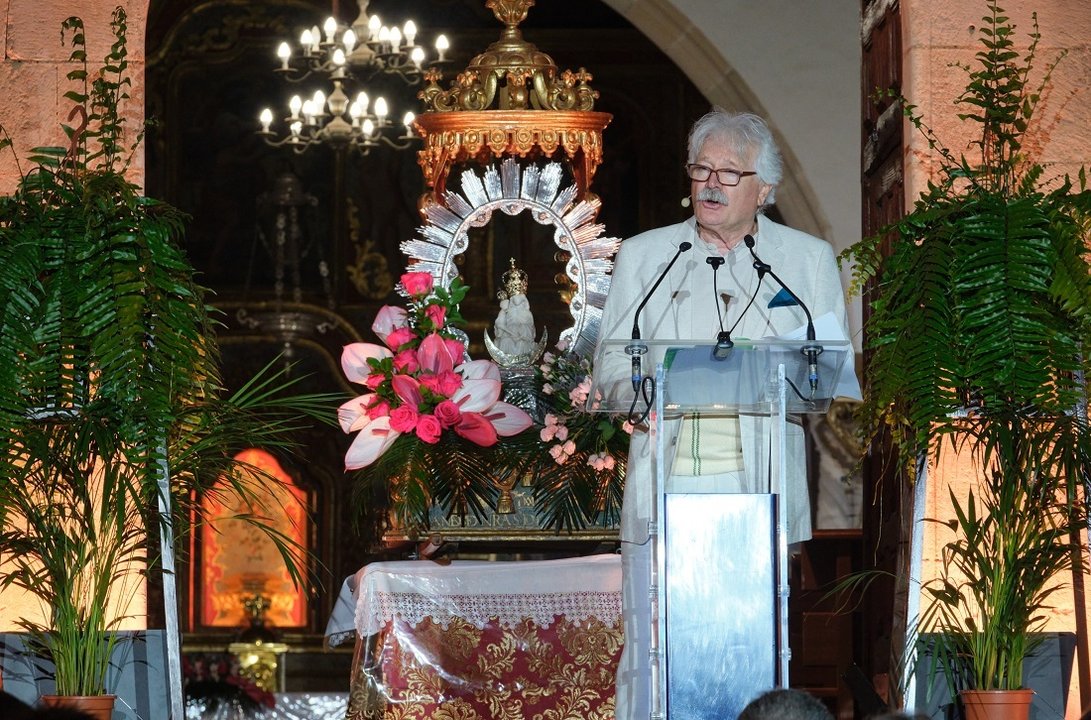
<point>685,201</point>
<point>685,245</point>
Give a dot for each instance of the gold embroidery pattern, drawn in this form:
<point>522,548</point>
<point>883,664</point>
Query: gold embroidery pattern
<point>564,671</point>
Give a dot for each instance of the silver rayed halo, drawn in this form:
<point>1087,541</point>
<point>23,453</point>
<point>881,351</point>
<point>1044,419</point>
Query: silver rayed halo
<point>513,189</point>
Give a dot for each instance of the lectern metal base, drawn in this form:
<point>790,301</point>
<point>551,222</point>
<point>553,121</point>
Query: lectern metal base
<point>720,613</point>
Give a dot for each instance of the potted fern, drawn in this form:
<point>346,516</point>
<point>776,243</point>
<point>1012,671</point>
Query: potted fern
<point>979,340</point>
<point>113,421</point>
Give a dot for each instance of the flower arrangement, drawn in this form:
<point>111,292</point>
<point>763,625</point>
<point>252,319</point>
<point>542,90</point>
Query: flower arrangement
<point>581,466</point>
<point>428,410</point>
<point>215,679</point>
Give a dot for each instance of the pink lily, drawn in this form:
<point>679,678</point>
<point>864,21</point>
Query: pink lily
<point>508,419</point>
<point>477,395</point>
<point>456,348</point>
<point>371,442</point>
<point>435,355</point>
<point>353,415</point>
<point>478,369</point>
<point>388,319</point>
<point>481,395</point>
<point>407,389</point>
<point>476,428</point>
<point>354,360</point>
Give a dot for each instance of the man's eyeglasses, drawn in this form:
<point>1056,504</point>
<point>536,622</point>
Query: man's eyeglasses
<point>730,178</point>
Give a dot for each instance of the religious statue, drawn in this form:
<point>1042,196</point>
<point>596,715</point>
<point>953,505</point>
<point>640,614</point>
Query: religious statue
<point>514,343</point>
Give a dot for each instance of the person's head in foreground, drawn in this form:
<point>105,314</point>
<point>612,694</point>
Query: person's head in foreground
<point>785,704</point>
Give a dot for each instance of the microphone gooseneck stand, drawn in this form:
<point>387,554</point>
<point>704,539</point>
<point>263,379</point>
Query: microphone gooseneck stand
<point>811,350</point>
<point>644,386</point>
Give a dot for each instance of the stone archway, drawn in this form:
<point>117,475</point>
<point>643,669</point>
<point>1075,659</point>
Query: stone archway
<point>688,44</point>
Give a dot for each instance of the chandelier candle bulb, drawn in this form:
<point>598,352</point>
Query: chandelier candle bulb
<point>395,39</point>
<point>284,52</point>
<point>381,109</point>
<point>331,29</point>
<point>349,41</point>
<point>266,119</point>
<point>295,105</point>
<point>442,46</point>
<point>410,32</point>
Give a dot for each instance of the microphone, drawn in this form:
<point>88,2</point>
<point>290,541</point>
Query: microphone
<point>811,350</point>
<point>724,343</point>
<point>636,348</point>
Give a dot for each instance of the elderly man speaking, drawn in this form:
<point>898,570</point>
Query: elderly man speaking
<point>734,168</point>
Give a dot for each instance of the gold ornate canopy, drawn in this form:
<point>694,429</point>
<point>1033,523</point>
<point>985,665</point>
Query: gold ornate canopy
<point>511,100</point>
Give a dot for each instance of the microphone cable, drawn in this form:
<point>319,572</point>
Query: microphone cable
<point>723,338</point>
<point>647,393</point>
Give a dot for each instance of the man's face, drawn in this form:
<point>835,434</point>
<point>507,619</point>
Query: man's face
<point>727,211</point>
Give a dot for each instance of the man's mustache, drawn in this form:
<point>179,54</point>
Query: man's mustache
<point>712,195</point>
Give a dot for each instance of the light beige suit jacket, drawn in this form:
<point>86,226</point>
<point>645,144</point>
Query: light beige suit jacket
<point>684,307</point>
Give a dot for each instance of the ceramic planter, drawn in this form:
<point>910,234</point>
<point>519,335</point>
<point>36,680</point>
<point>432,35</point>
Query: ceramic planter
<point>997,704</point>
<point>99,707</point>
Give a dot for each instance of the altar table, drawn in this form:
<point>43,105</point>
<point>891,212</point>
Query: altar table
<point>487,640</point>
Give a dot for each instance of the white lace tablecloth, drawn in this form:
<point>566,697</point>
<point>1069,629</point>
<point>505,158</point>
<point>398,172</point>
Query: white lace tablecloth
<point>483,592</point>
<point>289,706</point>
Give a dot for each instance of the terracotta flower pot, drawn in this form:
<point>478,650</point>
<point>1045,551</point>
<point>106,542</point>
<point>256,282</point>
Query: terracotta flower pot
<point>100,707</point>
<point>997,704</point>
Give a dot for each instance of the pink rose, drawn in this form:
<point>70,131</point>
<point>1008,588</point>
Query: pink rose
<point>406,362</point>
<point>444,384</point>
<point>403,419</point>
<point>437,314</point>
<point>449,383</point>
<point>447,413</point>
<point>559,455</point>
<point>374,380</point>
<point>431,382</point>
<point>417,284</point>
<point>387,320</point>
<point>429,429</point>
<point>399,337</point>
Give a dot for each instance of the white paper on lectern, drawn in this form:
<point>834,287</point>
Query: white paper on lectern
<point>827,328</point>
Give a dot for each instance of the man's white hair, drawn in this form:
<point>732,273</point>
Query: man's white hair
<point>749,136</point>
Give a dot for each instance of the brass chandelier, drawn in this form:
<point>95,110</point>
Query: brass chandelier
<point>341,113</point>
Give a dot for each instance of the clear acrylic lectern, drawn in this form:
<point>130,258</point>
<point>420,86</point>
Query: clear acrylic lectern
<point>719,560</point>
